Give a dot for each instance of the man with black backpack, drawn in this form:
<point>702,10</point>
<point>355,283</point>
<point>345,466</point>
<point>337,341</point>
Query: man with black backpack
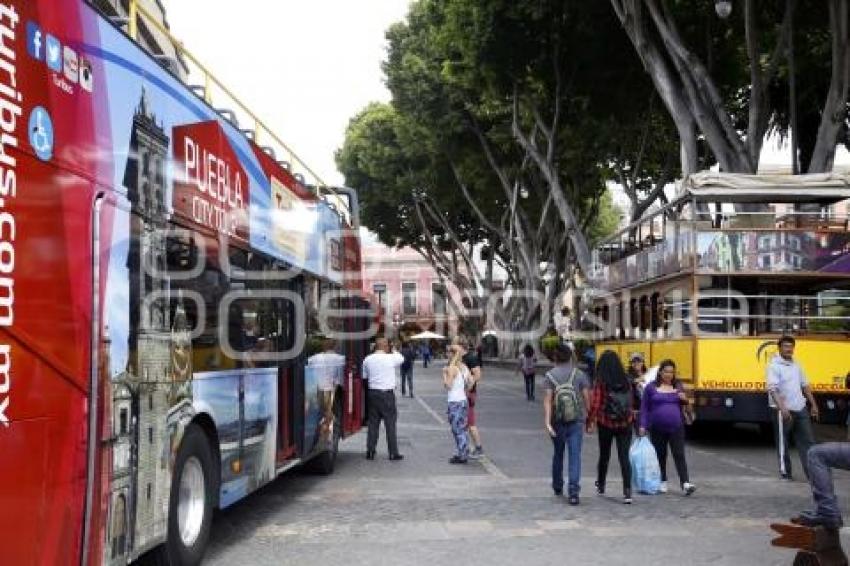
<point>567,396</point>
<point>611,410</point>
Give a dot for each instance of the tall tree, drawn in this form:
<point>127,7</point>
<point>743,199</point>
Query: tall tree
<point>734,111</point>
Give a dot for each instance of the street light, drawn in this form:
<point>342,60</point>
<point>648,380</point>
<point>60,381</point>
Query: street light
<point>723,8</point>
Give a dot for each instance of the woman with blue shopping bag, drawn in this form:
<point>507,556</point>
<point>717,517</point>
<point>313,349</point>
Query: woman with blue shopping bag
<point>646,475</point>
<point>662,416</point>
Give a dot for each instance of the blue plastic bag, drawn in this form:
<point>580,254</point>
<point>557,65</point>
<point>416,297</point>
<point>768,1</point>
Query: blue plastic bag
<point>646,474</point>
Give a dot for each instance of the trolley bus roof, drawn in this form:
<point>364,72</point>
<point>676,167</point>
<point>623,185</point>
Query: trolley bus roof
<point>738,188</point>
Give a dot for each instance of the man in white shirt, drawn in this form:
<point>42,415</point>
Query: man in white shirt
<point>788,389</point>
<point>379,368</point>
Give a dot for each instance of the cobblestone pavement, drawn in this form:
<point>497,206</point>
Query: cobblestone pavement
<point>501,510</point>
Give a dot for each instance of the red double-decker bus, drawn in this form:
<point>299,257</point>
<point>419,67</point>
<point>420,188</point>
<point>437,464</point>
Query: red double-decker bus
<point>166,288</point>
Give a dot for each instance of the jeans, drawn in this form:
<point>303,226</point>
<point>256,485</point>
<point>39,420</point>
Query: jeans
<point>457,413</point>
<point>800,426</point>
<point>676,441</point>
<point>529,385</point>
<point>381,406</point>
<point>407,380</point>
<point>822,458</point>
<point>607,436</point>
<point>569,436</point>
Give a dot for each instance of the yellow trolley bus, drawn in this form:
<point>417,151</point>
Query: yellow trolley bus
<point>713,278</point>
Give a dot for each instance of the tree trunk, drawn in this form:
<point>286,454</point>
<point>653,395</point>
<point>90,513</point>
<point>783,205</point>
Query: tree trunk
<point>835,108</point>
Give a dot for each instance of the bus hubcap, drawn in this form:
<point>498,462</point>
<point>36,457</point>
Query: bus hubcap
<point>190,508</point>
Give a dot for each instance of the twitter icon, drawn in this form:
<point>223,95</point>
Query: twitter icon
<point>54,53</point>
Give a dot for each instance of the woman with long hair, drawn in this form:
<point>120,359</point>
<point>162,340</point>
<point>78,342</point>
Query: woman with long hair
<point>661,415</point>
<point>527,364</point>
<point>457,379</point>
<point>611,411</point>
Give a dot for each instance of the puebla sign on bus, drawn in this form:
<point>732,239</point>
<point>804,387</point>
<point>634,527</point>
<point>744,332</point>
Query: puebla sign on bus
<point>210,186</point>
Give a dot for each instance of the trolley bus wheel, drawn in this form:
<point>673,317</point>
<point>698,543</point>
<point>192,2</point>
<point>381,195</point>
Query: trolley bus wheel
<point>190,502</point>
<point>325,463</point>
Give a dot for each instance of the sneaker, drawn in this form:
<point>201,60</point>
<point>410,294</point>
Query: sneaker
<point>396,457</point>
<point>477,453</point>
<point>627,499</point>
<point>573,500</point>
<point>558,492</point>
<point>457,460</point>
<point>786,477</point>
<point>600,488</point>
<point>663,488</point>
<point>688,488</point>
<point>370,454</point>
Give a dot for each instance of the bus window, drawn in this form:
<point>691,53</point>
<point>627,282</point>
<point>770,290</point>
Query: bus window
<point>654,313</point>
<point>677,309</point>
<point>621,329</point>
<point>644,314</point>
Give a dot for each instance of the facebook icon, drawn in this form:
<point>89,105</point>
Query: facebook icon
<point>35,41</point>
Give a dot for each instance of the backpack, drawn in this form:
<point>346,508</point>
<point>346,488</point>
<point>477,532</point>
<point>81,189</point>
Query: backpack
<point>567,401</point>
<point>618,405</point>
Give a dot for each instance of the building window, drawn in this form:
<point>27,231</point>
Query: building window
<point>123,421</point>
<point>380,292</point>
<point>408,298</point>
<point>794,242</point>
<point>439,298</point>
<point>764,261</point>
<point>765,242</point>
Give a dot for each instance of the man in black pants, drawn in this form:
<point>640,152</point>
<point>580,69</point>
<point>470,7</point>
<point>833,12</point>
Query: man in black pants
<point>379,368</point>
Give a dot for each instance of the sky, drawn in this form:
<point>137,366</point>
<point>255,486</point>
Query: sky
<point>304,67</point>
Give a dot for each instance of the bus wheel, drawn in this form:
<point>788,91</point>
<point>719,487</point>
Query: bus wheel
<point>326,462</point>
<point>190,503</point>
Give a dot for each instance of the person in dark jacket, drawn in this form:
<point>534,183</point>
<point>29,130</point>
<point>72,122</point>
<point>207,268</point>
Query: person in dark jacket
<point>407,368</point>
<point>611,412</point>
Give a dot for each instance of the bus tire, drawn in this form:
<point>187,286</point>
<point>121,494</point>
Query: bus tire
<point>326,461</point>
<point>190,502</point>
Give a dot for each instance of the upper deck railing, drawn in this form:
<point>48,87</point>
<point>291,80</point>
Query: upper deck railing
<point>761,242</point>
<point>232,109</point>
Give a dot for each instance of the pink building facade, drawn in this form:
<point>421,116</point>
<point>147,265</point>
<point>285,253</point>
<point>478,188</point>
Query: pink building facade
<point>408,291</point>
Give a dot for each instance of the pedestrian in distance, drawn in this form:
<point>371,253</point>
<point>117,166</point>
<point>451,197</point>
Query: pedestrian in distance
<point>527,365</point>
<point>788,389</point>
<point>425,351</point>
<point>472,360</point>
<point>662,416</point>
<point>457,379</point>
<point>637,372</point>
<point>822,459</point>
<point>565,403</point>
<point>379,369</point>
<point>611,413</point>
<point>409,355</point>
